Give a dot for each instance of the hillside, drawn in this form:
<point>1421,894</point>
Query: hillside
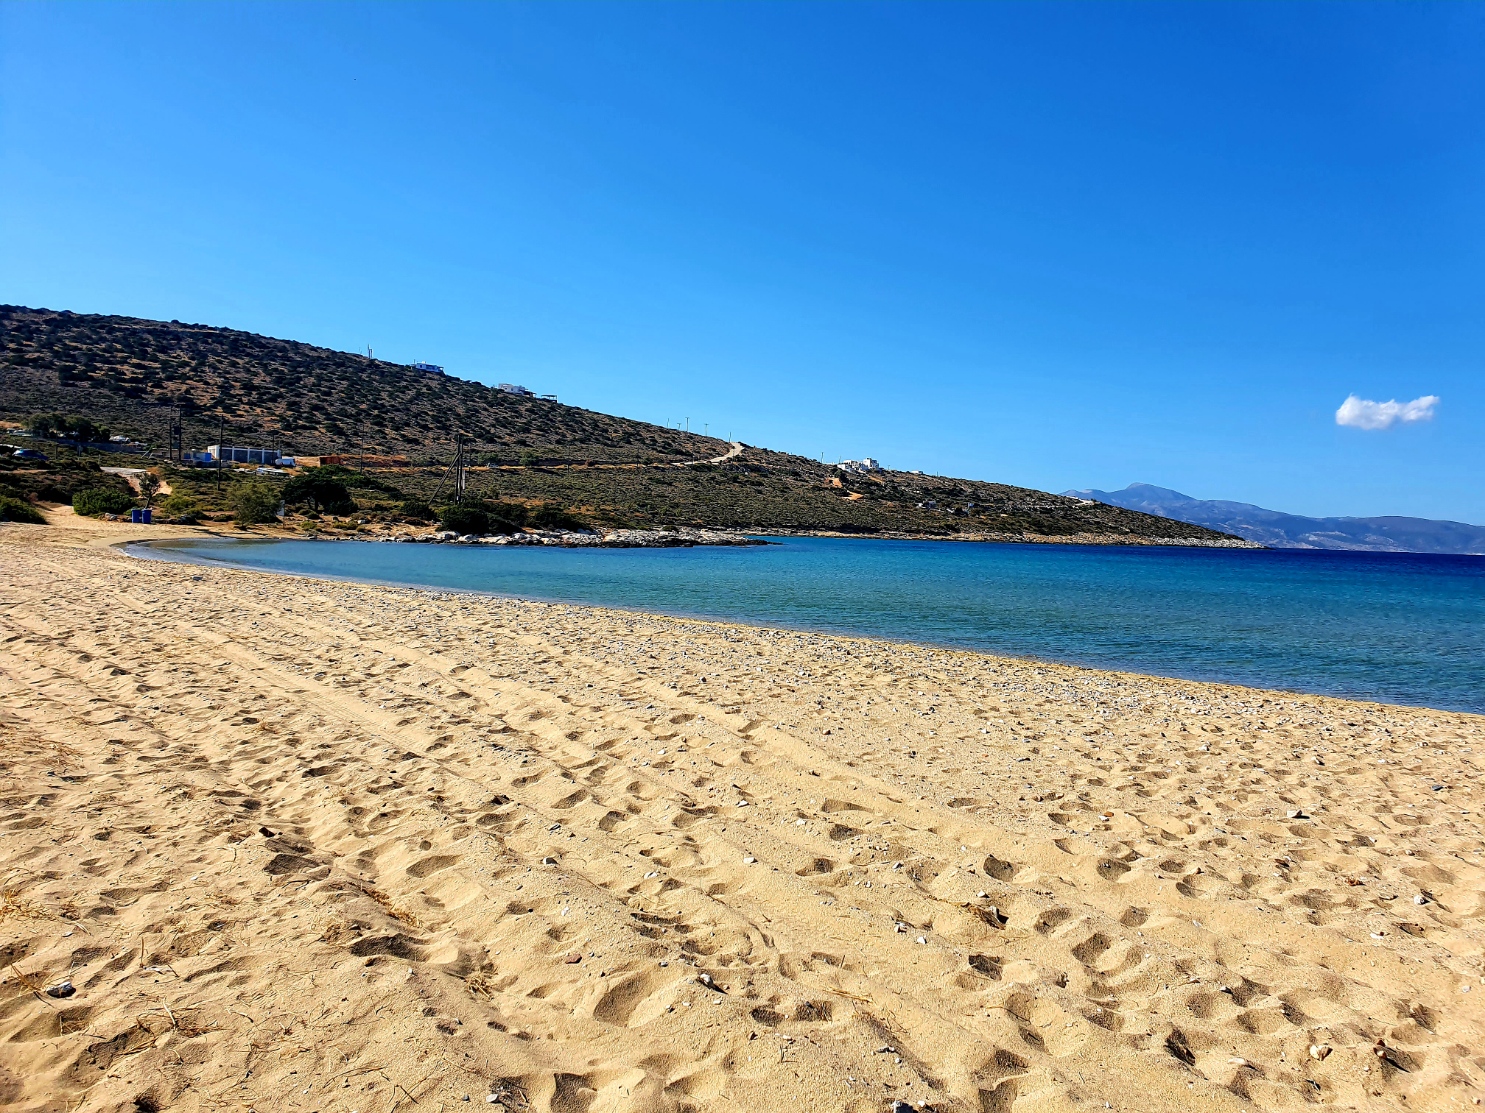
<point>124,373</point>
<point>1278,530</point>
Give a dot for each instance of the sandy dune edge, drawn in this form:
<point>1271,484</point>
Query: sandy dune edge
<point>320,846</point>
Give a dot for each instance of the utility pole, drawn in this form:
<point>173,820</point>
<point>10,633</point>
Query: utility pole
<point>457,468</point>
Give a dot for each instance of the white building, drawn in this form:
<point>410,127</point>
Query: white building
<point>234,454</point>
<point>514,388</point>
<point>862,466</point>
<point>430,368</point>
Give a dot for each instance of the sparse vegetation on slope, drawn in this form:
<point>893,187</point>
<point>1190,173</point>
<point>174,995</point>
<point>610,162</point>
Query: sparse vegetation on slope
<point>559,462</point>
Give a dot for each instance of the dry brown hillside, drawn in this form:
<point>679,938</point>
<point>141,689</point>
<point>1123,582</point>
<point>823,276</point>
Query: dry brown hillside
<point>126,374</point>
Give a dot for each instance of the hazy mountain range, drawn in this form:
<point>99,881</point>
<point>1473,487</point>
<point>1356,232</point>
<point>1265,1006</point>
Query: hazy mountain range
<point>1274,528</point>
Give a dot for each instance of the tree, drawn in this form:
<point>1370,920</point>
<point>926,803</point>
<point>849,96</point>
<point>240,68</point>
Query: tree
<point>84,429</point>
<point>254,502</point>
<point>323,494</point>
<point>149,487</point>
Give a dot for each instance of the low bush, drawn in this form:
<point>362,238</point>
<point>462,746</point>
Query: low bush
<point>417,511</point>
<point>178,504</point>
<point>14,510</point>
<point>553,517</point>
<point>94,501</point>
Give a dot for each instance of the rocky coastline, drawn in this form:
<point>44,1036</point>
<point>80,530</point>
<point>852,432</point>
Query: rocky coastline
<point>680,537</point>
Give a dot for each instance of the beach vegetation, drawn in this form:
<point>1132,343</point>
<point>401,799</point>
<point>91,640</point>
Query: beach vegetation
<point>16,510</point>
<point>183,508</point>
<point>554,517</point>
<point>465,519</point>
<point>94,501</point>
<point>349,478</point>
<point>56,479</point>
<point>254,503</point>
<point>415,511</point>
<point>323,493</point>
<point>149,487</point>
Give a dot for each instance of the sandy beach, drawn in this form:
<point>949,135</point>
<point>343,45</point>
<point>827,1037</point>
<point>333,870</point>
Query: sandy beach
<point>308,845</point>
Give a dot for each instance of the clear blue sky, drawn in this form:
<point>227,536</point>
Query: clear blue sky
<point>1054,246</point>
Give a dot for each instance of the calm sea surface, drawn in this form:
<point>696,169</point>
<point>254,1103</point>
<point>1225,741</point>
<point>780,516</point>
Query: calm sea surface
<point>1398,628</point>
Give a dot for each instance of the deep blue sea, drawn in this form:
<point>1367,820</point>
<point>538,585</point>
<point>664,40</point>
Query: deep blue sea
<point>1392,627</point>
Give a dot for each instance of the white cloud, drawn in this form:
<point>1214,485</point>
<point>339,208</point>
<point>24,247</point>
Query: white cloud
<point>1361,414</point>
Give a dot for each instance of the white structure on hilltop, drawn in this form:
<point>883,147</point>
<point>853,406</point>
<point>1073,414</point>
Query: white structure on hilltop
<point>514,388</point>
<point>428,368</point>
<point>864,465</point>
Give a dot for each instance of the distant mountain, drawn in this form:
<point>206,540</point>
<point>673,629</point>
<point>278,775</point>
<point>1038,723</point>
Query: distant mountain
<point>1389,534</point>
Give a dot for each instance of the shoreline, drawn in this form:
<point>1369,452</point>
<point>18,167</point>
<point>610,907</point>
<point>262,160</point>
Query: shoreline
<point>363,837</point>
<point>1153,670</point>
<point>1091,539</point>
<point>691,535</point>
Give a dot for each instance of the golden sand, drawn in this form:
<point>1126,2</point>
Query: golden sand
<point>306,845</point>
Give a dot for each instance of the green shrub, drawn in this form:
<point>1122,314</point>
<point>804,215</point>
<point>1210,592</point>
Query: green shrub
<point>511,513</point>
<point>529,460</point>
<point>553,517</point>
<point>349,478</point>
<point>417,511</point>
<point>182,508</point>
<point>101,500</point>
<point>465,519</point>
<point>254,502</point>
<point>14,510</point>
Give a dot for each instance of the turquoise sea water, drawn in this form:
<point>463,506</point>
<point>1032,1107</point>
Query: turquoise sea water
<point>1392,627</point>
